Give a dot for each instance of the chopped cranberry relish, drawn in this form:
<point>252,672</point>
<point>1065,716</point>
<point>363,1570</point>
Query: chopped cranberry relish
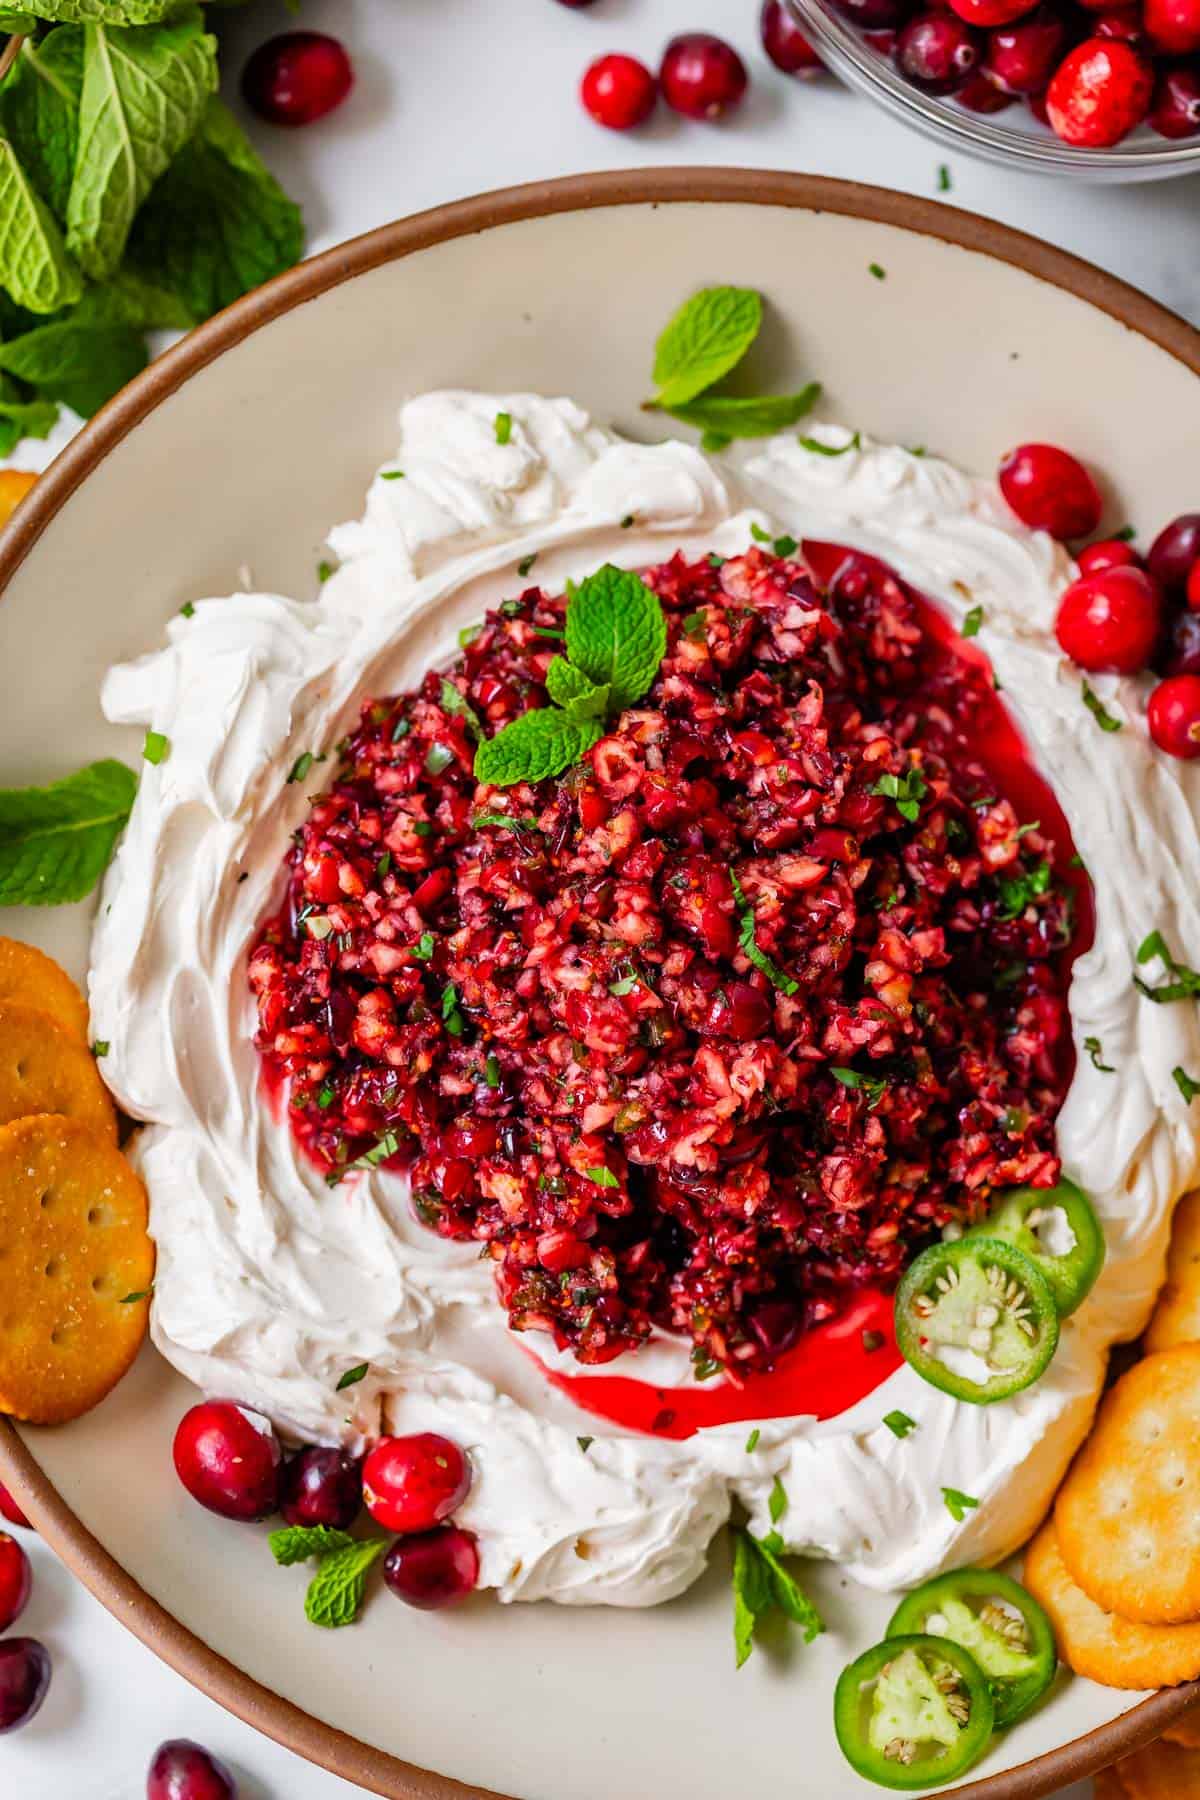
<point>718,1026</point>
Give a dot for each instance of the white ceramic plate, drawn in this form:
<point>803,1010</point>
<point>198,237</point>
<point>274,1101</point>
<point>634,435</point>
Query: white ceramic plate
<point>240,448</point>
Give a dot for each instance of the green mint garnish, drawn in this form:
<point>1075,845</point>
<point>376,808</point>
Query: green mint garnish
<point>819,449</point>
<point>878,271</point>
<point>301,766</point>
<point>907,790</point>
<point>585,1443</point>
<point>627,522</point>
<point>694,626</point>
<point>1188,1087</point>
<point>300,1543</point>
<point>452,1017</point>
<point>491,1072</point>
<point>324,571</point>
<point>760,1585</point>
<point>424,947</point>
<point>526,563</point>
<point>383,866</point>
<point>326,1098</point>
<point>958,1504</point>
<point>55,842</point>
<point>601,1176</point>
<point>101,1047</point>
<point>578,695</point>
<point>535,746</point>
<point>1019,891</point>
<point>141,1294</point>
<point>786,545</point>
<point>777,1502</point>
<point>188,610</point>
<point>752,1441</point>
<point>438,759</point>
<point>749,942</point>
<point>156,747</point>
<point>352,1377</point>
<point>453,702</point>
<point>972,622</point>
<point>706,338</point>
<point>1099,711</point>
<point>503,427</point>
<point>1126,535</point>
<point>1184,983</point>
<point>899,1423</point>
<point>616,633</point>
<point>1095,1050</point>
<point>758,534</point>
<point>391,475</point>
<point>335,1594</point>
<point>503,822</point>
<point>874,1086</point>
<point>724,417</point>
<point>379,1152</point>
<point>467,636</point>
<point>943,179</point>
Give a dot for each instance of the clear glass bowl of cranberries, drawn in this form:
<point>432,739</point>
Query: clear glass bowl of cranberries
<point>1108,90</point>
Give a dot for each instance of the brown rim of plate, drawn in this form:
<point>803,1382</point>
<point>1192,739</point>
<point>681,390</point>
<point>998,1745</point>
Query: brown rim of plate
<point>212,1674</point>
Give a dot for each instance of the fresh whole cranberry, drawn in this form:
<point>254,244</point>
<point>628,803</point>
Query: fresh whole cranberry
<point>24,1678</point>
<point>16,1580</point>
<point>413,1483</point>
<point>1173,715</point>
<point>1178,649</point>
<point>1123,22</point>
<point>1172,25</point>
<point>701,75</point>
<point>1022,57</point>
<point>1107,553</point>
<point>434,1568</point>
<point>991,12</point>
<point>1175,108</point>
<point>937,52</point>
<point>1110,622</point>
<point>321,1486</point>
<point>874,15</point>
<point>1173,552</point>
<point>1193,587</point>
<point>181,1770</point>
<point>1049,490</point>
<point>784,42</point>
<point>618,91</point>
<point>227,1458</point>
<point>979,95</point>
<point>11,1511</point>
<point>1100,91</point>
<point>297,77</point>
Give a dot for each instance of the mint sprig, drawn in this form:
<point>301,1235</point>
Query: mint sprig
<point>301,1543</point>
<point>729,416</point>
<point>535,746</point>
<point>576,692</point>
<point>706,338</point>
<point>55,842</point>
<point>335,1593</point>
<point>761,1584</point>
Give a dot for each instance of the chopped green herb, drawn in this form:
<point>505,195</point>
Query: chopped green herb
<point>695,626</point>
<point>526,563</point>
<point>943,179</point>
<point>777,1501</point>
<point>467,635</point>
<point>624,984</point>
<point>326,1098</point>
<point>335,1594</point>
<point>424,947</point>
<point>601,1176</point>
<point>1019,891</point>
<point>491,1070</point>
<point>627,522</point>
<point>878,271</point>
<point>972,622</point>
<point>301,766</point>
<point>503,427</point>
<point>383,866</point>
<point>379,1152</point>
<point>458,706</point>
<point>438,759</point>
<point>324,571</point>
<point>819,449</point>
<point>1099,711</point>
<point>391,475</point>
<point>187,609</point>
<point>907,790</point>
<point>156,747</point>
<point>1126,535</point>
<point>293,1544</point>
<point>1184,983</point>
<point>547,631</point>
<point>141,1294</point>
<point>715,561</point>
<point>874,1086</point>
<point>899,1423</point>
<point>752,1441</point>
<point>585,1443</point>
<point>758,534</point>
<point>761,1585</point>
<point>785,545</point>
<point>452,1017</point>
<point>401,728</point>
<point>1188,1087</point>
<point>704,1367</point>
<point>1095,1050</point>
<point>503,822</point>
<point>749,942</point>
<point>101,1047</point>
<point>319,927</point>
<point>352,1377</point>
<point>957,1504</point>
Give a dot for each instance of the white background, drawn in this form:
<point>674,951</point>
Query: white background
<point>455,96</point>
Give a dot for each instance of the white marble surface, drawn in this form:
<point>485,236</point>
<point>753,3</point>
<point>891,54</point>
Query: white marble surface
<point>455,96</point>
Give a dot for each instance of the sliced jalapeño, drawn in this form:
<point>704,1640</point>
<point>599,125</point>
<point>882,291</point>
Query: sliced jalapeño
<point>913,1712</point>
<point>976,1319</point>
<point>1001,1625</point>
<point>1059,1233</point>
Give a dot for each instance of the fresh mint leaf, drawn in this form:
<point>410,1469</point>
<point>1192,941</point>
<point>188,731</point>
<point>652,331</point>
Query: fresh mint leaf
<point>1184,983</point>
<point>352,1377</point>
<point>874,1086</point>
<point>971,622</point>
<point>576,692</point>
<point>34,266</point>
<point>899,1423</point>
<point>1186,1084</point>
<point>75,362</point>
<point>130,299</point>
<point>105,12</point>
<point>907,790</point>
<point>1019,891</point>
<point>601,1176</point>
<point>749,942</point>
<point>707,337</point>
<point>503,427</point>
<point>777,1503</point>
<point>730,417</point>
<point>958,1504</point>
<point>752,1596</point>
<point>788,1595</point>
<point>144,94</point>
<point>300,1543</point>
<point>616,633</point>
<point>55,842</point>
<point>335,1593</point>
<point>217,223</point>
<point>39,112</point>
<point>458,706</point>
<point>535,746</point>
<point>817,448</point>
<point>1099,711</point>
<point>1095,1050</point>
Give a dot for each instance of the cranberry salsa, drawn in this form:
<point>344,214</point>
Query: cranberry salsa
<point>720,1024</point>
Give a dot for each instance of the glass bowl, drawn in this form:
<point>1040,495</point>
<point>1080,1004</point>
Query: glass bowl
<point>1014,138</point>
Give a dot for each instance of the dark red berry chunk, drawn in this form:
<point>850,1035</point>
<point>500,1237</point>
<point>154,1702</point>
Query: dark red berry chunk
<point>227,1458</point>
<point>182,1770</point>
<point>434,1569</point>
<point>1050,490</point>
<point>297,77</point>
<point>413,1483</point>
<point>618,91</point>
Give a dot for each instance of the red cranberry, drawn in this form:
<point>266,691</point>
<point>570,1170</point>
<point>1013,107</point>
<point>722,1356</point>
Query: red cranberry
<point>701,75</point>
<point>784,42</point>
<point>1173,552</point>
<point>738,1011</point>
<point>980,95</point>
<point>992,12</point>
<point>1110,621</point>
<point>413,1483</point>
<point>1100,91</point>
<point>1175,109</point>
<point>937,52</point>
<point>1178,651</point>
<point>874,15</point>
<point>434,1569</point>
<point>618,91</point>
<point>776,1325</point>
<point>181,1770</point>
<point>1050,491</point>
<point>321,1486</point>
<point>1021,58</point>
<point>227,1458</point>
<point>16,1580</point>
<point>1173,715</point>
<point>577,5</point>
<point>297,77</point>
<point>1123,22</point>
<point>1193,587</point>
<point>1108,553</point>
<point>11,1511</point>
<point>24,1678</point>
<point>1172,25</point>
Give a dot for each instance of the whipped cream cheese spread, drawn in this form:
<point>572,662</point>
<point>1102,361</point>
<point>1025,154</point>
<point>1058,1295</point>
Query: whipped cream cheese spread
<point>271,1285</point>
